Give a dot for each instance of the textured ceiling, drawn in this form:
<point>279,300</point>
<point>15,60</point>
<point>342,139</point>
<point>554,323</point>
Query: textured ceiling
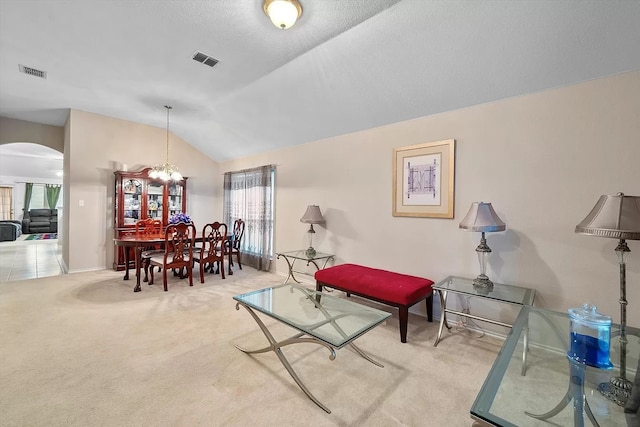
<point>346,65</point>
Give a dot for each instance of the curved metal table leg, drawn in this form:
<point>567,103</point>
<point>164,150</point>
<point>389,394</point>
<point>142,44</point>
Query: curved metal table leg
<point>290,264</point>
<point>275,347</point>
<point>574,393</point>
<point>525,349</point>
<point>365,355</point>
<point>443,315</point>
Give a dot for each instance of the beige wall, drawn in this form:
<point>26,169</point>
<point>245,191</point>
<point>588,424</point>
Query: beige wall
<point>543,160</point>
<point>99,145</point>
<point>66,165</point>
<point>12,130</point>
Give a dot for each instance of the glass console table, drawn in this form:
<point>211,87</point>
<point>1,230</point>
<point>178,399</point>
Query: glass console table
<point>301,255</point>
<point>556,391</point>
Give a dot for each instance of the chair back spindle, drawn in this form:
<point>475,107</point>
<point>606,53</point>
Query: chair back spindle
<point>212,252</point>
<point>178,251</point>
<point>233,247</point>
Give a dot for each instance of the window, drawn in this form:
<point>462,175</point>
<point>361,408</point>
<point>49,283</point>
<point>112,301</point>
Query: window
<point>39,198</point>
<point>249,195</point>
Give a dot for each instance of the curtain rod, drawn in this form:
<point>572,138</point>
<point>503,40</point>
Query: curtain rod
<point>273,166</point>
<point>39,183</point>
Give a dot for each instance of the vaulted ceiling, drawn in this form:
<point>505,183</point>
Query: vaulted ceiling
<point>346,65</point>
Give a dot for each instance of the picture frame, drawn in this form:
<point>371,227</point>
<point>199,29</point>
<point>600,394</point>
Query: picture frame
<point>423,180</point>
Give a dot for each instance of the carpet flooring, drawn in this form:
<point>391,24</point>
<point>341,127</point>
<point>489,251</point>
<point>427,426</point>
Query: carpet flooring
<point>82,349</point>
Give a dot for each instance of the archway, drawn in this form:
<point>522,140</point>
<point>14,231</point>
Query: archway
<point>22,163</point>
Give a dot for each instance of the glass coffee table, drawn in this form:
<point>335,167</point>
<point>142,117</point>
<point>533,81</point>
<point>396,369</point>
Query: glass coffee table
<point>556,391</point>
<point>325,320</point>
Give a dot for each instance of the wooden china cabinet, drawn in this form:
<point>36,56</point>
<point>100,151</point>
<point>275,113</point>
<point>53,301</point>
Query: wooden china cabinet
<point>139,197</point>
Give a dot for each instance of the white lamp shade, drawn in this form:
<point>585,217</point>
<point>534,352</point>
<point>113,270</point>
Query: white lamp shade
<point>313,215</point>
<point>283,13</point>
<point>482,217</point>
<point>615,217</point>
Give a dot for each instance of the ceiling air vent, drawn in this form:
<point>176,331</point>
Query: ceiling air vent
<point>204,58</point>
<point>32,71</point>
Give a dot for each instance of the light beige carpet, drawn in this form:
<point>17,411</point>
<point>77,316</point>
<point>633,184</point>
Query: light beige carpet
<point>84,350</point>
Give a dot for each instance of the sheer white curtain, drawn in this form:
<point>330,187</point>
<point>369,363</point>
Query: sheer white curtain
<point>6,203</point>
<point>248,195</point>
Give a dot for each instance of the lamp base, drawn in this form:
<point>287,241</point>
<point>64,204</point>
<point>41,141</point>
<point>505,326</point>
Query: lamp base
<point>310,252</point>
<point>482,281</point>
<point>617,390</point>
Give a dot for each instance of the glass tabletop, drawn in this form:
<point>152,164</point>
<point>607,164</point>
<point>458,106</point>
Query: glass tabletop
<point>333,320</point>
<point>504,293</point>
<point>302,255</point>
<point>507,397</point>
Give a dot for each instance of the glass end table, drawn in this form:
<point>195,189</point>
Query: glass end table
<point>319,261</point>
<point>499,293</point>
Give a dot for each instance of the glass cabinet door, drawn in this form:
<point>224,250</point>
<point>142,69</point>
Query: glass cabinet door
<point>132,191</point>
<point>155,192</point>
<point>176,198</point>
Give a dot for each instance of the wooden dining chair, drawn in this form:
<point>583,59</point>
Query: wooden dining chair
<point>233,244</point>
<point>178,252</point>
<point>148,227</point>
<point>212,250</point>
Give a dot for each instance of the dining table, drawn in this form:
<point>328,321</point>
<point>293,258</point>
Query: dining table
<point>140,242</point>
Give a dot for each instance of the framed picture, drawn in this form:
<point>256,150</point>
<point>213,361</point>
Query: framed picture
<point>423,179</point>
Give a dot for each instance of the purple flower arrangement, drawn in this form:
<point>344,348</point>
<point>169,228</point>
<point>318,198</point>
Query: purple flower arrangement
<point>180,217</point>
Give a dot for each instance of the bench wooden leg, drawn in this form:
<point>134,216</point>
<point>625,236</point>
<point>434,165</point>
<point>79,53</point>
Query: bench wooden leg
<point>429,302</point>
<point>403,316</point>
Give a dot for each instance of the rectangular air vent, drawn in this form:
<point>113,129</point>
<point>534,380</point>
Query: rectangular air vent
<point>32,71</point>
<point>204,58</point>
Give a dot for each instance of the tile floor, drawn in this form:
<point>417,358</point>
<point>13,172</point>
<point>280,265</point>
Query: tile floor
<point>29,259</point>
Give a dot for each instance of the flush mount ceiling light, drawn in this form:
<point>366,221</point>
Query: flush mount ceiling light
<point>283,13</point>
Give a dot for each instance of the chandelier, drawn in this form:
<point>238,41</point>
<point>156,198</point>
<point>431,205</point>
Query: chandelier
<point>167,171</point>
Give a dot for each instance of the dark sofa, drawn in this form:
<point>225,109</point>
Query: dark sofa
<point>10,230</point>
<point>40,221</point>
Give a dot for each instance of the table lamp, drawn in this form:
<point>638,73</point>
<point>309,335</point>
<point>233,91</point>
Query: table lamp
<point>481,217</point>
<point>616,217</point>
<point>312,216</point>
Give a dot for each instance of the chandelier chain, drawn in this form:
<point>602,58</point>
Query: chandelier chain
<point>168,107</point>
<point>166,171</point>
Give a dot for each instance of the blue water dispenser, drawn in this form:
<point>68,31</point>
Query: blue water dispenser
<point>590,337</point>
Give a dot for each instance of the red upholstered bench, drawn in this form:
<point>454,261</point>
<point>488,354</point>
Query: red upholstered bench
<point>395,289</point>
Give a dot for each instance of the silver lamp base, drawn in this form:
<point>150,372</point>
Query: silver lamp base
<point>482,281</point>
<point>310,252</point>
<point>617,390</point>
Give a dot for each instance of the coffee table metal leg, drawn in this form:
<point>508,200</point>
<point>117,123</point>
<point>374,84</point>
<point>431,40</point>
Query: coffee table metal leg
<point>575,393</point>
<point>275,347</point>
<point>525,348</point>
<point>365,355</point>
<point>290,264</point>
